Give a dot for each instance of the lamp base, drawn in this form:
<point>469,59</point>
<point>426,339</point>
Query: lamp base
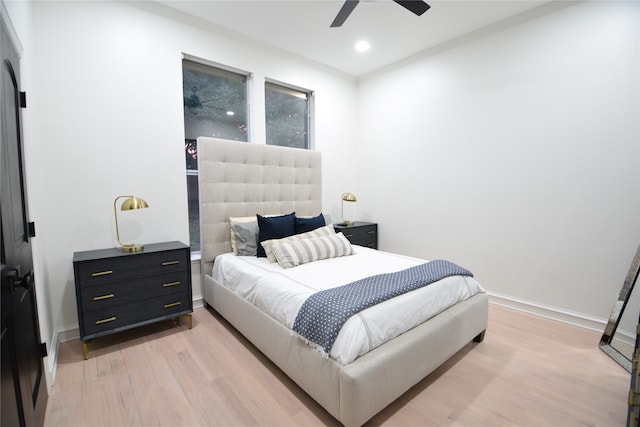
<point>347,223</point>
<point>132,248</point>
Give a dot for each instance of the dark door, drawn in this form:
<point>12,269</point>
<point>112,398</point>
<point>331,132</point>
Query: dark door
<point>24,395</point>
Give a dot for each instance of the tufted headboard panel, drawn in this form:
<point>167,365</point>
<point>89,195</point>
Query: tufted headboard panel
<point>243,179</point>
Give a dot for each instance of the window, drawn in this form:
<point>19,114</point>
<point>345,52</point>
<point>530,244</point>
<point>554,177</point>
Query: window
<point>287,115</point>
<point>215,104</point>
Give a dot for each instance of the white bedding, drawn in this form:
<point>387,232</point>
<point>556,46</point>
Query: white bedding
<point>280,293</point>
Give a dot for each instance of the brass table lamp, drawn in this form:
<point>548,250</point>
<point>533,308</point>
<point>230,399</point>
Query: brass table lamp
<point>347,197</point>
<point>130,204</point>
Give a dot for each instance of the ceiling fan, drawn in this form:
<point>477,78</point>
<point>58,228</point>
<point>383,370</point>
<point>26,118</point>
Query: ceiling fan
<point>193,101</point>
<point>416,6</point>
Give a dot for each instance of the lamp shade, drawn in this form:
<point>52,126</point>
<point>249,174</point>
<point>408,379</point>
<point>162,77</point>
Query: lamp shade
<point>349,197</point>
<point>131,203</point>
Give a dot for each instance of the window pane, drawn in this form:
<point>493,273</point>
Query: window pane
<point>191,152</point>
<point>215,104</point>
<point>194,211</point>
<point>287,116</point>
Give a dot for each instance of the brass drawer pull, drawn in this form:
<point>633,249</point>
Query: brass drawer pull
<point>110,319</point>
<point>101,297</point>
<point>348,235</point>
<point>101,273</point>
<point>173,304</point>
<point>166,285</point>
<point>164,264</point>
<point>371,232</point>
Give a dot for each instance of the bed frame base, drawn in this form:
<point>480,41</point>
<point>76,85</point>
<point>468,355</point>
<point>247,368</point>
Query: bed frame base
<point>355,392</point>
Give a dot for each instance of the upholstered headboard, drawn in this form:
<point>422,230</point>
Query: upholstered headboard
<point>243,179</point>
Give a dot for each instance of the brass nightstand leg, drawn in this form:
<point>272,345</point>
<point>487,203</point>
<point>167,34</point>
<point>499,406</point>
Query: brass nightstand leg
<point>85,350</point>
<point>190,320</point>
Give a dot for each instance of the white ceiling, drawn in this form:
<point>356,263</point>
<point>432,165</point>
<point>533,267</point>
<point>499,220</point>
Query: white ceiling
<point>301,27</point>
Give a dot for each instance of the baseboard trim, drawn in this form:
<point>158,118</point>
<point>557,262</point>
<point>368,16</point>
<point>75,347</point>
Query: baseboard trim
<point>59,336</point>
<point>198,302</point>
<point>548,312</point>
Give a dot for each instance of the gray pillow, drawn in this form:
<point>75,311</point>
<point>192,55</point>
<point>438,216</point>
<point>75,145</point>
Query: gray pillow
<point>246,238</point>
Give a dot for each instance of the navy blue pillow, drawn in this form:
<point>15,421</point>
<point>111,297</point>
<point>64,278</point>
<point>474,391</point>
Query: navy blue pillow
<point>274,227</point>
<point>308,224</point>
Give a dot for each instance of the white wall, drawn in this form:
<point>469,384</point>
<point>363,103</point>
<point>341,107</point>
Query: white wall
<point>106,103</point>
<point>515,154</point>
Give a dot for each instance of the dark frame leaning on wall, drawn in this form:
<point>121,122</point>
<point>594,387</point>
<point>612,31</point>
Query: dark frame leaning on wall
<point>616,314</point>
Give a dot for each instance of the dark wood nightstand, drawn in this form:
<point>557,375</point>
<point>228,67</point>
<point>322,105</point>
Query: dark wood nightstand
<point>360,233</point>
<point>116,290</point>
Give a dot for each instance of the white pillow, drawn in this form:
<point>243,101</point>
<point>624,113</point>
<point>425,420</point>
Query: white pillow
<point>269,244</point>
<point>296,252</point>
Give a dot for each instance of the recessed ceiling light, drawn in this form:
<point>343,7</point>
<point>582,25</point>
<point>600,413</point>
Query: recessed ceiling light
<point>230,113</point>
<point>363,46</point>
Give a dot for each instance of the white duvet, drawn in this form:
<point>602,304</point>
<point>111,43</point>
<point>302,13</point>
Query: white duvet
<point>280,293</point>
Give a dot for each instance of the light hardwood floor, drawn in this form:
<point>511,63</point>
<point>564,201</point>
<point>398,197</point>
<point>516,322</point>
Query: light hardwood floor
<point>528,371</point>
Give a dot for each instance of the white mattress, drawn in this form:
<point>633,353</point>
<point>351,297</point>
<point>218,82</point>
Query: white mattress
<point>281,292</point>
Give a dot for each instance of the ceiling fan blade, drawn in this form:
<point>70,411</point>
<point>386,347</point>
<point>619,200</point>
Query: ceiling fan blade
<point>344,13</point>
<point>416,6</point>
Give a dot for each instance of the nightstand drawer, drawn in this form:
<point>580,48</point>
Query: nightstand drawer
<point>108,320</point>
<point>129,266</point>
<point>114,294</point>
<point>360,233</point>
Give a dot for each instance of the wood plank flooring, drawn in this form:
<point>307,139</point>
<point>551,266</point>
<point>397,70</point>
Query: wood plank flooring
<point>529,371</point>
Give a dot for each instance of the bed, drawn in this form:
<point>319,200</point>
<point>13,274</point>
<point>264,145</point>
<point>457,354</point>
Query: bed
<point>240,180</point>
